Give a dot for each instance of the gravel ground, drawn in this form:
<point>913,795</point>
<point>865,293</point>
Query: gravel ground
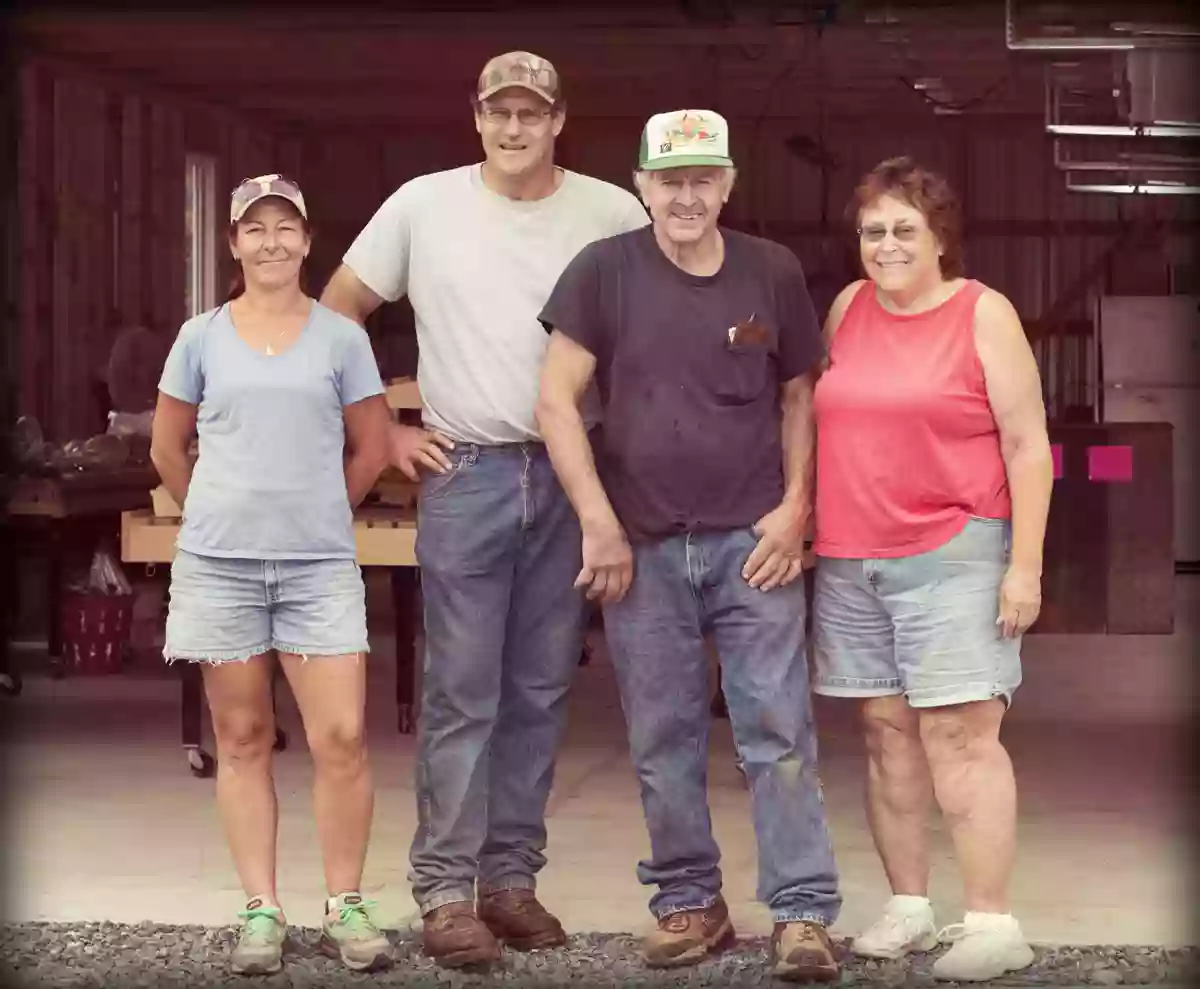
<point>114,956</point>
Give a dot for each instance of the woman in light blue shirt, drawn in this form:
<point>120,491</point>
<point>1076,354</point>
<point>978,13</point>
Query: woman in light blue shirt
<point>286,400</point>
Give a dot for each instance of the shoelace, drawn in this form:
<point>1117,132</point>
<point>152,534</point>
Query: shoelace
<point>355,917</point>
<point>952,932</point>
<point>894,924</point>
<point>254,920</point>
<point>808,927</point>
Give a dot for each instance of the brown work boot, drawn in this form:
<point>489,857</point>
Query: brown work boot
<point>515,917</point>
<point>686,937</point>
<point>455,938</point>
<point>802,952</point>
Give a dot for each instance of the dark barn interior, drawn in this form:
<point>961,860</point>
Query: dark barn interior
<point>1071,133</point>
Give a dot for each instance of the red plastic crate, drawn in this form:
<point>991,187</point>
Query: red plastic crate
<point>95,632</point>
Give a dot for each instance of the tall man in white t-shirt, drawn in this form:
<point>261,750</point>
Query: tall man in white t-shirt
<point>477,250</point>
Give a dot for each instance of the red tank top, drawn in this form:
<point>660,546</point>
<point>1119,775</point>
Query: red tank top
<point>907,447</point>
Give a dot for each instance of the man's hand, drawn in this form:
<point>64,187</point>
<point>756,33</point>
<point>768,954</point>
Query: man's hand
<point>607,563</point>
<point>778,559</point>
<point>1020,601</point>
<point>411,448</point>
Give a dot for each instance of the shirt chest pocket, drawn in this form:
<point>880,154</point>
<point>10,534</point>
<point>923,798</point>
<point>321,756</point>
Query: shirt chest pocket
<point>745,363</point>
<point>743,374</point>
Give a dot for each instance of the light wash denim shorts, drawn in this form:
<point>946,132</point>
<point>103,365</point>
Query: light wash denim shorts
<point>224,610</point>
<point>923,626</point>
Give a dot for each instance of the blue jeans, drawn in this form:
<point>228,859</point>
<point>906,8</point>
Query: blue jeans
<point>498,545</point>
<point>683,587</point>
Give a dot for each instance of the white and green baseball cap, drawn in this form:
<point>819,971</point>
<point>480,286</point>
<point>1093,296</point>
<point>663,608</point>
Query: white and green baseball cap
<point>685,137</point>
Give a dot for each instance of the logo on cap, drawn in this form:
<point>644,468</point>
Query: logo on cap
<point>685,137</point>
<point>691,130</point>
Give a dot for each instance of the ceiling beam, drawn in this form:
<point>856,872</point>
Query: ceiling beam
<point>578,33</point>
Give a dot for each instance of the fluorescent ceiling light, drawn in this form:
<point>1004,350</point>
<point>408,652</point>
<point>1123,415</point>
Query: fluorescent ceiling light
<point>1132,190</point>
<point>1121,130</point>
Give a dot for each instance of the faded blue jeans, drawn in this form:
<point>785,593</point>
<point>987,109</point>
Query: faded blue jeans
<point>499,549</point>
<point>682,588</point>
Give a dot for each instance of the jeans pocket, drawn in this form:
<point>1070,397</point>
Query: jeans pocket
<point>433,485</point>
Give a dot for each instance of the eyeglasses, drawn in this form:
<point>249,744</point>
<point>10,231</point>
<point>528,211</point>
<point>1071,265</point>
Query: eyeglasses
<point>526,117</point>
<point>876,233</point>
<point>248,190</point>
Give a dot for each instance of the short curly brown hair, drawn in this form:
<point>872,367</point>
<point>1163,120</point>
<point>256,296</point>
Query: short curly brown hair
<point>924,190</point>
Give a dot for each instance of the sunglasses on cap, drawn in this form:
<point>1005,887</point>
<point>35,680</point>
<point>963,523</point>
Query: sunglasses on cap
<point>249,191</point>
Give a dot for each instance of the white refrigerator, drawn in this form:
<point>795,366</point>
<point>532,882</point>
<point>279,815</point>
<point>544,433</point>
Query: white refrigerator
<point>1150,361</point>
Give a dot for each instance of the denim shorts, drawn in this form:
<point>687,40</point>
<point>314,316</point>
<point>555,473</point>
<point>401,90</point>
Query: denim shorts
<point>923,626</point>
<point>225,610</point>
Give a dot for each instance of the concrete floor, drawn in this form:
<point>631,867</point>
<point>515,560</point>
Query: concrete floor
<point>106,823</point>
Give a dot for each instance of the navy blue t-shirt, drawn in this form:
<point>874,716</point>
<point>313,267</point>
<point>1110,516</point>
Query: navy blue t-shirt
<point>689,370</point>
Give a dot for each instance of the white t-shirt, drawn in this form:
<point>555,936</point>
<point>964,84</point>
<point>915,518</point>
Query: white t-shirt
<point>478,267</point>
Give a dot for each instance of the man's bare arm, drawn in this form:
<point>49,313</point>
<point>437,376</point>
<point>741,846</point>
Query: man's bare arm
<point>799,443</point>
<point>411,449</point>
<point>345,293</point>
<point>566,374</point>
<point>607,558</point>
<point>778,558</point>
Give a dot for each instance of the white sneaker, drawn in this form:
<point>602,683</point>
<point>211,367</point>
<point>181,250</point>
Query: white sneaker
<point>906,925</point>
<point>986,945</point>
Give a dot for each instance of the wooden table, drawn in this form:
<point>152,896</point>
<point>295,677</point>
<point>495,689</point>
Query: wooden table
<point>385,537</point>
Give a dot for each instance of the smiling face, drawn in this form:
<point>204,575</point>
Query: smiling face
<point>899,251</point>
<point>271,240</point>
<point>685,203</point>
<point>518,129</point>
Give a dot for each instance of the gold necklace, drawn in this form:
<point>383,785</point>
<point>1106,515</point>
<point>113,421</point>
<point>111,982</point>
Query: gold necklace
<point>270,351</point>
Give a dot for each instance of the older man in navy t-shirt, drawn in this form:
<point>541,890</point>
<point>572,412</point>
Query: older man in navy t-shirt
<point>703,343</point>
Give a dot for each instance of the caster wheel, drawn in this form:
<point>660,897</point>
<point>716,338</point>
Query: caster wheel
<point>10,684</point>
<point>280,740</point>
<point>202,765</point>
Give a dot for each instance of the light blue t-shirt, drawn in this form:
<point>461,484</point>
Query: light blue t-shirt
<point>270,481</point>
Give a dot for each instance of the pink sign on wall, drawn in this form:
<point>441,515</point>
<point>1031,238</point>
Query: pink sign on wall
<point>1110,463</point>
<point>1056,457</point>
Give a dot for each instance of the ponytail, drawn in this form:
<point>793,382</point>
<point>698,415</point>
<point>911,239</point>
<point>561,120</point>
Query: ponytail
<point>237,284</point>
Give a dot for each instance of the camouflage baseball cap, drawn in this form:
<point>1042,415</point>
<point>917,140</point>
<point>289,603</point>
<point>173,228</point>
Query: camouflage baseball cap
<point>250,191</point>
<point>522,69</point>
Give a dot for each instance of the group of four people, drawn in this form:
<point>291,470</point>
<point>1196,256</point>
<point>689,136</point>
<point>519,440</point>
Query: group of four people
<point>624,403</point>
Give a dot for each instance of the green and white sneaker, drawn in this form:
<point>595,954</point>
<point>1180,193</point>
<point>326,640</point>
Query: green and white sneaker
<point>349,933</point>
<point>259,950</point>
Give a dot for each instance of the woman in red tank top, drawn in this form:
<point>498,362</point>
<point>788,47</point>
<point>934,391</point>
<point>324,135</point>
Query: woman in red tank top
<point>933,486</point>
